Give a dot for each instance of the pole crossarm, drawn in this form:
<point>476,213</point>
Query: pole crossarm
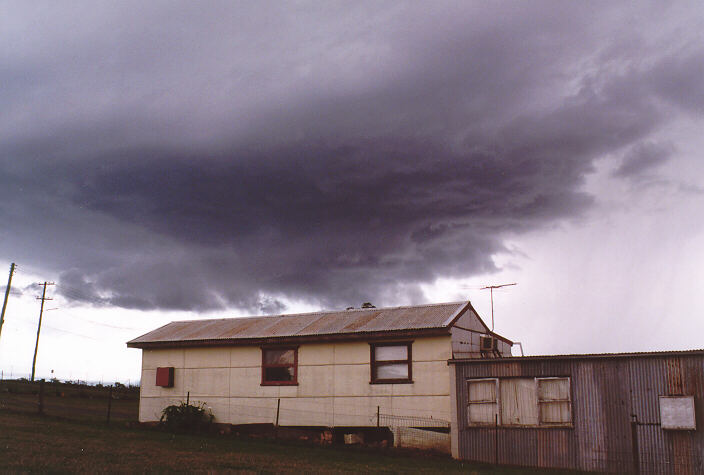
<point>491,290</point>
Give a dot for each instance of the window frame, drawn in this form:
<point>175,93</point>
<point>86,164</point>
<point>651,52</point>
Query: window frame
<point>539,403</point>
<point>374,364</point>
<point>670,419</point>
<point>294,381</point>
<point>545,402</point>
<point>496,402</point>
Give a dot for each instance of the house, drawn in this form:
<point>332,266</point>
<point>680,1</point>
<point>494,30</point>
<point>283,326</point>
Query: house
<point>619,413</point>
<point>353,368</point>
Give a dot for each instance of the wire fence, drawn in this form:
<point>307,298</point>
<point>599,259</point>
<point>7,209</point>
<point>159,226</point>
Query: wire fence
<point>75,400</point>
<point>418,432</point>
<point>71,400</point>
<point>339,417</point>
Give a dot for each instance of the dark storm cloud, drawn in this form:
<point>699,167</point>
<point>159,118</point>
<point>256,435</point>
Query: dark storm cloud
<point>643,158</point>
<point>202,158</point>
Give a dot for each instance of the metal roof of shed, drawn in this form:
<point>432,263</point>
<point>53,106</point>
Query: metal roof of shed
<point>585,356</point>
<point>411,319</point>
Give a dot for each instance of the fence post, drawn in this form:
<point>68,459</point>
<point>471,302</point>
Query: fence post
<point>377,416</point>
<point>278,407</point>
<point>41,396</point>
<point>188,398</point>
<point>276,424</point>
<point>634,442</point>
<point>109,406</point>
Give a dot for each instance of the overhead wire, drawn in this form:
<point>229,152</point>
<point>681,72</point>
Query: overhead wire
<point>73,315</point>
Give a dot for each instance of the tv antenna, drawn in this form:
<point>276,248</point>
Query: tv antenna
<point>491,289</point>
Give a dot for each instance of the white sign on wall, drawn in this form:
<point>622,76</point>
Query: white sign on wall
<point>677,413</point>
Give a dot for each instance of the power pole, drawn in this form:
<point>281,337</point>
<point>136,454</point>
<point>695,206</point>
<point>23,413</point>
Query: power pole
<point>491,289</point>
<point>7,294</point>
<point>39,327</point>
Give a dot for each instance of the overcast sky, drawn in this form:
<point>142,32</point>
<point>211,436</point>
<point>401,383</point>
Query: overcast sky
<point>167,160</point>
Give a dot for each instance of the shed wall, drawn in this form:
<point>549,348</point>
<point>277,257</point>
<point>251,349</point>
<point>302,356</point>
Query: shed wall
<point>605,393</point>
<point>333,385</point>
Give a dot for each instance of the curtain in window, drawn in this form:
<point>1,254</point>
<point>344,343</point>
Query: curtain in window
<point>279,356</point>
<point>390,353</point>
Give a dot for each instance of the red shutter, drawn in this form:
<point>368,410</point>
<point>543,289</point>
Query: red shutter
<point>165,377</point>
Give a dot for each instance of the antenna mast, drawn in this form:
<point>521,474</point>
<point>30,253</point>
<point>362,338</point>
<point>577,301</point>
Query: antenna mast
<point>491,289</point>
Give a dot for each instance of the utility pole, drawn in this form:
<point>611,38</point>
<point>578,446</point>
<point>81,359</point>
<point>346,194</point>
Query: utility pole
<point>491,289</point>
<point>39,327</point>
<point>7,294</point>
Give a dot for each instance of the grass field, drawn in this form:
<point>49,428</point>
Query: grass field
<point>70,401</point>
<point>73,437</point>
<point>32,443</point>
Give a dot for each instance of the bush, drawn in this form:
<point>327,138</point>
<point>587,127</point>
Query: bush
<point>186,417</point>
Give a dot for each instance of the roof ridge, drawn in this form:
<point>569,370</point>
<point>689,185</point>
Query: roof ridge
<point>279,315</point>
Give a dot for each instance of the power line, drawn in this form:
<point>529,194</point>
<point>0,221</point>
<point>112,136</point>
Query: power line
<point>75,293</point>
<point>50,327</point>
<point>74,333</point>
<point>73,315</point>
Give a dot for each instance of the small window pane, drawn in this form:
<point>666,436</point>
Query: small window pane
<point>390,353</point>
<point>482,391</point>
<point>484,413</point>
<point>554,389</point>
<point>392,371</point>
<point>278,356</point>
<point>555,412</point>
<point>278,374</point>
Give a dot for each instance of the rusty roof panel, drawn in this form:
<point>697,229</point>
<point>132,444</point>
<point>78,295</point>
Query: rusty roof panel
<point>307,324</point>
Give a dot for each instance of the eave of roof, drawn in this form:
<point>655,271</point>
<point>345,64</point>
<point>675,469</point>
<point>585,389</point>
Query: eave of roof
<point>641,354</point>
<point>387,335</point>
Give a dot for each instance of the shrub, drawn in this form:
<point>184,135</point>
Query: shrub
<point>186,417</point>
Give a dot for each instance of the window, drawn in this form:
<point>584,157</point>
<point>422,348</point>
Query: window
<point>391,363</point>
<point>677,413</point>
<point>483,402</point>
<point>519,401</point>
<point>554,400</point>
<point>279,366</point>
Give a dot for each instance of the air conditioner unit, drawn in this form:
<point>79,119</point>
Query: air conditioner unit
<point>487,343</point>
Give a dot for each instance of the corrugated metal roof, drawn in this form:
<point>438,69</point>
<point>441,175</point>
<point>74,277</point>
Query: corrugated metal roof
<point>418,317</point>
<point>587,356</point>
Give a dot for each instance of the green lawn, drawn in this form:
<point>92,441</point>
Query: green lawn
<point>31,443</point>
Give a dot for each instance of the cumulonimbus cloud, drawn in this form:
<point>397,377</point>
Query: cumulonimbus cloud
<point>232,169</point>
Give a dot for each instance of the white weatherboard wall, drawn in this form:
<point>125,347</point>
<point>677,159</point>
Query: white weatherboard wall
<point>333,384</point>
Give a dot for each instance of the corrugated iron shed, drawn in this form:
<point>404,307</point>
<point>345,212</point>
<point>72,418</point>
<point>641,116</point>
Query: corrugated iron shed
<point>419,319</point>
<point>615,414</point>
